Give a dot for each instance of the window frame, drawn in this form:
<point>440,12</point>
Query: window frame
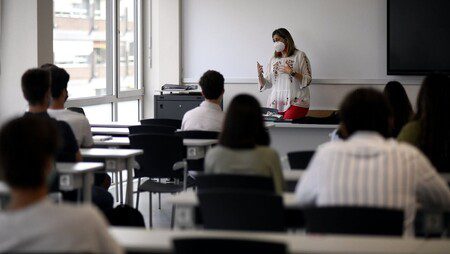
<point>113,93</point>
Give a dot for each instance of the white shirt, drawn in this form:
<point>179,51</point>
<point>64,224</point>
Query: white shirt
<point>368,170</point>
<point>47,227</point>
<point>78,123</point>
<point>206,117</point>
<point>287,90</point>
<point>261,160</point>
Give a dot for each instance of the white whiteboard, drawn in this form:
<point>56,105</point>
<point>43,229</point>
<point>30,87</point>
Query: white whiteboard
<point>344,39</point>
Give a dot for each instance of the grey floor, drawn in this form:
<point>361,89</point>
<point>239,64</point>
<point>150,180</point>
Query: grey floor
<point>161,217</point>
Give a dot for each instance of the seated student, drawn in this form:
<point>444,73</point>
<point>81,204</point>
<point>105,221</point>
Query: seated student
<point>31,222</point>
<point>78,122</point>
<point>369,170</point>
<point>401,107</point>
<point>209,115</point>
<point>243,144</point>
<point>36,90</point>
<point>429,131</point>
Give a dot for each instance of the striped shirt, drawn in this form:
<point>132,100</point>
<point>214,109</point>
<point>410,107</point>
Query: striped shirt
<point>368,170</point>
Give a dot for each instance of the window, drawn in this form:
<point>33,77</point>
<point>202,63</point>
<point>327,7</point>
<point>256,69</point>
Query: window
<point>101,71</point>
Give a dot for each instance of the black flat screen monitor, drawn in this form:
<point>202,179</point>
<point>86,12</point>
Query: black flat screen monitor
<point>418,37</point>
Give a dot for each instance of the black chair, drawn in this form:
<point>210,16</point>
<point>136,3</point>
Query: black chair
<point>226,246</point>
<point>199,164</point>
<point>299,160</point>
<point>207,182</point>
<point>161,121</point>
<point>76,109</point>
<point>241,210</point>
<point>354,220</point>
<point>149,129</point>
<point>161,152</point>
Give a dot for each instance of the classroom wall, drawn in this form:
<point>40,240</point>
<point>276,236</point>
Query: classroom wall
<point>20,48</point>
<point>326,93</point>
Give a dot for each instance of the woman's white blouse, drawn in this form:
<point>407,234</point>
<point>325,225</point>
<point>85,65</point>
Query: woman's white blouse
<point>287,90</point>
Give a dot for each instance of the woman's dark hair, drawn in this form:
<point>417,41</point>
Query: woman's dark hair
<point>290,45</point>
<point>433,104</point>
<point>26,145</point>
<point>366,109</point>
<point>400,104</point>
<point>244,125</point>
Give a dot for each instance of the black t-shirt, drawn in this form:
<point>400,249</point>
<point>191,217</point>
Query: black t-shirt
<point>69,146</point>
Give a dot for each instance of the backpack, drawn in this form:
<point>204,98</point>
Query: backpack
<point>125,215</point>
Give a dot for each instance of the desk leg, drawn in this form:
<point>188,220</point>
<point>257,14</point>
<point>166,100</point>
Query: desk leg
<point>129,195</point>
<point>121,186</point>
<point>87,187</point>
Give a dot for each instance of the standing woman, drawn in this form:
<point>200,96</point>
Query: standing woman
<point>288,75</point>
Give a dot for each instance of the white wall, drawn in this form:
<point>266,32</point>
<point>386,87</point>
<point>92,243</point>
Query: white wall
<point>20,49</point>
<point>326,93</point>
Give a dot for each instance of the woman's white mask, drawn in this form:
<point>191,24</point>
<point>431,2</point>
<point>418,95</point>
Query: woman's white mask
<point>279,46</point>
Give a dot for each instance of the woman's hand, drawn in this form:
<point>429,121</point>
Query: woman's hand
<point>286,69</point>
<point>260,69</point>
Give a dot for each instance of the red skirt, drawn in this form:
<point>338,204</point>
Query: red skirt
<point>295,112</point>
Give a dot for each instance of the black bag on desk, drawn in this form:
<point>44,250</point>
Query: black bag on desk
<point>125,215</point>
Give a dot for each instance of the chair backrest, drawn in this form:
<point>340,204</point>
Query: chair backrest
<point>354,220</point>
<point>149,129</point>
<point>226,246</point>
<point>161,152</point>
<point>76,109</point>
<point>241,210</point>
<point>299,160</point>
<point>230,182</point>
<point>162,121</point>
<point>198,134</point>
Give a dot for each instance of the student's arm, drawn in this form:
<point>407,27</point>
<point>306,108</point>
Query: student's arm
<point>307,188</point>
<point>432,190</point>
<point>78,157</point>
<point>277,172</point>
<point>88,141</point>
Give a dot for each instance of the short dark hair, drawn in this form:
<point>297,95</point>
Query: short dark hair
<point>212,84</point>
<point>366,109</point>
<point>244,125</point>
<point>26,145</point>
<point>400,104</point>
<point>35,85</point>
<point>60,79</point>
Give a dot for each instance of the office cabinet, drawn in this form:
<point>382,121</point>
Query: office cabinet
<point>174,106</point>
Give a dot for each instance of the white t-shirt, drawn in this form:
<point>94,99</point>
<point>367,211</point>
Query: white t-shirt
<point>206,117</point>
<point>47,227</point>
<point>79,124</point>
<point>287,90</point>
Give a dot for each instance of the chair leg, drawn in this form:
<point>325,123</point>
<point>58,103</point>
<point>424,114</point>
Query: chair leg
<point>138,193</point>
<point>172,219</point>
<point>159,198</point>
<point>150,210</point>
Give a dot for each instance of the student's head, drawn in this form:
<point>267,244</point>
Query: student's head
<point>36,86</point>
<point>27,148</point>
<point>212,84</point>
<point>244,126</point>
<point>60,79</point>
<point>283,35</point>
<point>433,103</point>
<point>365,109</point>
<point>400,104</point>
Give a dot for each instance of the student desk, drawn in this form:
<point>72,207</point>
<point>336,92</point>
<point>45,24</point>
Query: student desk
<point>160,241</point>
<point>114,124</point>
<point>117,160</point>
<point>290,137</point>
<point>114,142</point>
<point>110,131</point>
<point>78,175</point>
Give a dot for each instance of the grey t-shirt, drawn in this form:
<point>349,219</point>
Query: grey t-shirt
<point>261,160</point>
